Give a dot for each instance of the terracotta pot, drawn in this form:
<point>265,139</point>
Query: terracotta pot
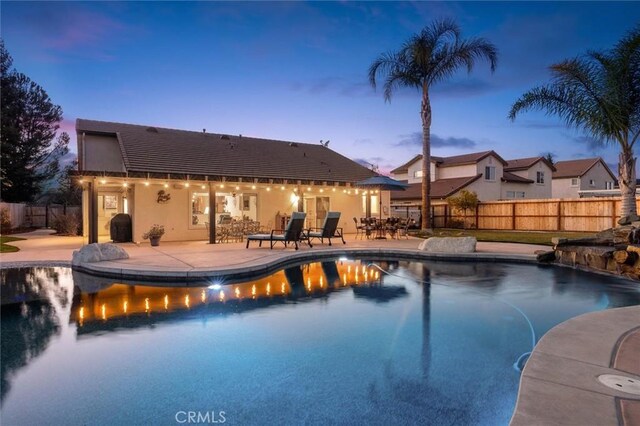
<point>155,241</point>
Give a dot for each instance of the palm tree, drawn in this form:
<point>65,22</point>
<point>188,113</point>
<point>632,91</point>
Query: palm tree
<point>427,58</point>
<point>599,94</point>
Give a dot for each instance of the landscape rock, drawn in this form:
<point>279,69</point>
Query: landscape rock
<point>626,220</point>
<point>449,245</point>
<point>97,253</point>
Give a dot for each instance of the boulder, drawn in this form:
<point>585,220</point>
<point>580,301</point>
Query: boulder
<point>627,220</point>
<point>97,253</point>
<point>449,245</point>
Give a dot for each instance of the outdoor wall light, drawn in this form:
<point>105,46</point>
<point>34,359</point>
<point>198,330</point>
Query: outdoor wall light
<point>166,185</point>
<point>321,190</point>
<point>103,181</point>
<point>186,185</point>
<point>282,188</point>
<point>308,188</point>
<point>333,189</point>
<point>125,184</point>
<point>268,189</point>
<point>253,187</point>
<point>237,188</point>
<point>146,184</point>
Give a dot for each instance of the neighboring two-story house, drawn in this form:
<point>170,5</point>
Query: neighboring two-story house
<point>485,173</point>
<point>587,174</point>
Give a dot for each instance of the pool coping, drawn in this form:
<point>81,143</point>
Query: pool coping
<point>559,382</point>
<point>113,269</point>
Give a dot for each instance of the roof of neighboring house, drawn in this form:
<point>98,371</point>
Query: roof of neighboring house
<point>456,160</point>
<point>472,158</point>
<point>160,150</point>
<point>510,177</point>
<point>577,168</point>
<point>441,188</point>
<point>405,167</point>
<point>526,163</point>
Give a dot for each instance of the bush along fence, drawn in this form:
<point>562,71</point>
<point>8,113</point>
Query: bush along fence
<point>25,216</point>
<point>581,214</point>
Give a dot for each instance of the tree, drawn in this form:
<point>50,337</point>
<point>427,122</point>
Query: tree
<point>465,200</point>
<point>550,157</point>
<point>29,125</point>
<point>427,58</point>
<point>598,93</point>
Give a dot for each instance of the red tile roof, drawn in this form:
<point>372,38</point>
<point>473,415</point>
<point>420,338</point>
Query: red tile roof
<point>441,188</point>
<point>577,168</point>
<point>525,163</point>
<point>456,160</point>
<point>510,177</point>
<point>159,150</point>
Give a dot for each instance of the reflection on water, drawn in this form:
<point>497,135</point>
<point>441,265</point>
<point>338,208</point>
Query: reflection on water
<point>410,342</point>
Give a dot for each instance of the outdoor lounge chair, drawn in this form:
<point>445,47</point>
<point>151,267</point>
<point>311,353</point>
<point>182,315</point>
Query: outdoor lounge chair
<point>329,229</point>
<point>291,234</point>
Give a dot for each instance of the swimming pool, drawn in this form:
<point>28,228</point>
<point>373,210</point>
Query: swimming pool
<point>333,342</point>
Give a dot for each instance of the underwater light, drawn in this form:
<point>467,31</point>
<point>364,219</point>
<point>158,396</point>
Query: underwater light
<point>215,287</point>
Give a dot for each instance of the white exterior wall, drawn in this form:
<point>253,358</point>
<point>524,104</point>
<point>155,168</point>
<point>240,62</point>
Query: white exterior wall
<point>599,174</point>
<point>458,171</point>
<point>561,188</point>
<point>415,167</point>
<point>533,190</point>
<point>176,214</point>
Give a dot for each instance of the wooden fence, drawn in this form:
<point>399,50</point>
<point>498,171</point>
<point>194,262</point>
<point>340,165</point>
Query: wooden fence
<point>23,215</point>
<point>580,214</point>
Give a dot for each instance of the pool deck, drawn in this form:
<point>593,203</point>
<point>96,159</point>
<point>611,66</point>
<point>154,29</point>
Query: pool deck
<point>559,382</point>
<point>197,259</point>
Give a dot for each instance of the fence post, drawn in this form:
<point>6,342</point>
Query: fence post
<point>613,213</point>
<point>559,224</point>
<point>477,221</point>
<point>513,216</point>
<point>46,215</point>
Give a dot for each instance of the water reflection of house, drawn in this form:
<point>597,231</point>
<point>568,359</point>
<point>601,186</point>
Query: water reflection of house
<point>184,180</point>
<point>122,305</point>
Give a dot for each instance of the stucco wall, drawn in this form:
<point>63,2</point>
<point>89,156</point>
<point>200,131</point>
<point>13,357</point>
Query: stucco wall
<point>533,190</point>
<point>561,188</point>
<point>457,171</point>
<point>600,176</point>
<point>101,153</point>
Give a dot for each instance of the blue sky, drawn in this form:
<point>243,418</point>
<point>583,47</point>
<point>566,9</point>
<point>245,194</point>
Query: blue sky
<point>298,71</point>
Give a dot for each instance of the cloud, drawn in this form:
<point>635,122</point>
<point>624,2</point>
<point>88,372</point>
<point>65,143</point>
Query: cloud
<point>415,140</point>
<point>380,164</point>
<point>592,144</point>
<point>59,30</point>
<point>531,124</point>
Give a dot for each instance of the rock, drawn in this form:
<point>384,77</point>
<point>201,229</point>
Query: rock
<point>449,245</point>
<point>558,241</point>
<point>626,220</point>
<point>97,253</point>
<point>545,256</point>
<point>625,257</point>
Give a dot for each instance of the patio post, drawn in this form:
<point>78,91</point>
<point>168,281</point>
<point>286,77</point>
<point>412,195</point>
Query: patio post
<point>367,203</point>
<point>93,211</point>
<point>300,200</point>
<point>212,214</point>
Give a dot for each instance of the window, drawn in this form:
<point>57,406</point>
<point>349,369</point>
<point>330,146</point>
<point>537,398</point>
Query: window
<point>609,185</point>
<point>199,209</point>
<point>375,205</point>
<point>489,173</point>
<point>574,181</point>
<point>592,182</point>
<point>540,177</point>
<point>417,174</point>
<point>515,194</point>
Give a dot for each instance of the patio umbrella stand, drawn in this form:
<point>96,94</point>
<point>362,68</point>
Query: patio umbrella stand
<point>381,183</point>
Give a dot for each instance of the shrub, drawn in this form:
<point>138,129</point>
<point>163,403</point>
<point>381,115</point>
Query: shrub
<point>5,220</point>
<point>455,223</point>
<point>156,231</point>
<point>67,224</point>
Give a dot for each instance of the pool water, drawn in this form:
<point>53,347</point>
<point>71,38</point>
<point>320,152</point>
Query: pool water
<point>323,343</point>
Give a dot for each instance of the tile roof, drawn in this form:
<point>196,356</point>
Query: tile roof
<point>405,167</point>
<point>577,168</point>
<point>510,177</point>
<point>456,160</point>
<point>160,150</point>
<point>525,163</point>
<point>441,188</point>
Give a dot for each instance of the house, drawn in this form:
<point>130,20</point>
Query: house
<point>574,176</point>
<point>191,181</point>
<point>485,173</point>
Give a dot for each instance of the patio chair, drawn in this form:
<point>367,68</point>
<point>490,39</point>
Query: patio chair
<point>329,229</point>
<point>292,233</point>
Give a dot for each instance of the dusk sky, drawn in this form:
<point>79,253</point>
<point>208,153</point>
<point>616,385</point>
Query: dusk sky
<point>298,71</point>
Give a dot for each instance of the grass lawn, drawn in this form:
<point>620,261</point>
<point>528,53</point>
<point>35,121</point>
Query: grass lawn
<point>525,237</point>
<point>6,248</point>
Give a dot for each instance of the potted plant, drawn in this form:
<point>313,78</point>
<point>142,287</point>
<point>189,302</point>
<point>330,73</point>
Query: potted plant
<point>154,234</point>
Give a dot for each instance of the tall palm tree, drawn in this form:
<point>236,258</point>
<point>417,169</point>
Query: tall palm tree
<point>427,58</point>
<point>599,94</point>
